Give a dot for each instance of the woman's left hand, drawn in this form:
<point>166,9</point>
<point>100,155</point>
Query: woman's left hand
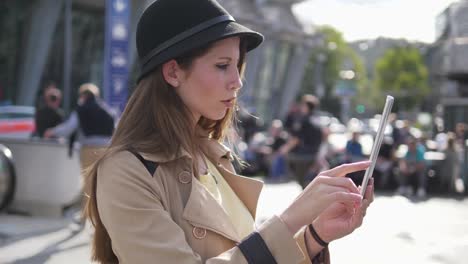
<point>339,219</point>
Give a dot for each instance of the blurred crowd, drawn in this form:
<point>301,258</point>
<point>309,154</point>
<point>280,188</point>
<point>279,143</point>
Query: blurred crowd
<point>299,147</point>
<point>409,162</point>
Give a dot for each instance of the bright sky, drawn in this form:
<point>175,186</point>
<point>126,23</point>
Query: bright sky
<point>364,19</point>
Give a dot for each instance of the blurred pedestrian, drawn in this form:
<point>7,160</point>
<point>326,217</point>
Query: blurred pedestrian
<point>413,169</point>
<point>451,165</point>
<point>293,116</point>
<point>166,191</point>
<point>397,138</point>
<point>276,139</point>
<point>304,141</point>
<point>49,114</point>
<point>353,150</point>
<point>256,155</point>
<point>461,136</point>
<point>460,132</point>
<point>325,154</point>
<point>249,125</point>
<point>385,162</point>
<point>404,133</point>
<point>92,120</point>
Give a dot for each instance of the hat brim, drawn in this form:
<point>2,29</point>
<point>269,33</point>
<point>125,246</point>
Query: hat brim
<point>217,32</point>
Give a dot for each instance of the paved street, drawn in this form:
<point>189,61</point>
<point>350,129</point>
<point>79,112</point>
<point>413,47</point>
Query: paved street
<point>396,230</point>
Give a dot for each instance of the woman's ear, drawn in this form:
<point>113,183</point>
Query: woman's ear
<point>170,71</point>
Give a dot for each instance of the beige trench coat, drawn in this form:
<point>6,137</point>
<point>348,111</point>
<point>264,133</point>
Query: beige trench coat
<point>169,217</point>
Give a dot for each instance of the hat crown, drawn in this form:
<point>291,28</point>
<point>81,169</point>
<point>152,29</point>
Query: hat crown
<point>165,19</point>
<point>168,29</point>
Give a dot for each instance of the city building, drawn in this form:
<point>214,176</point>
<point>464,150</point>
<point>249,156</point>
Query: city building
<point>63,41</point>
<point>449,64</point>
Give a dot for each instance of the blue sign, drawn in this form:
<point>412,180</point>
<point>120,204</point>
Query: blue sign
<point>345,88</point>
<point>117,54</point>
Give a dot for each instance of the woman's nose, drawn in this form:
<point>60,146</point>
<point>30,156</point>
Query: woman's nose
<point>237,82</point>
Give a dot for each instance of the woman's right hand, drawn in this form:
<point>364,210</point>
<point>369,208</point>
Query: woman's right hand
<point>327,188</point>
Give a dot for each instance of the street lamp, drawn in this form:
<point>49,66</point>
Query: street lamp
<point>319,85</point>
<point>345,88</point>
<point>321,58</point>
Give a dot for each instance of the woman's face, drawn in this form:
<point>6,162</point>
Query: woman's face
<point>209,87</point>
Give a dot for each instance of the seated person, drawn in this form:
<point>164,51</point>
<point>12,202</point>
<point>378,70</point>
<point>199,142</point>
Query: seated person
<point>413,167</point>
<point>353,151</point>
<point>324,155</point>
<point>277,162</point>
<point>451,178</point>
<point>49,115</point>
<point>385,162</point>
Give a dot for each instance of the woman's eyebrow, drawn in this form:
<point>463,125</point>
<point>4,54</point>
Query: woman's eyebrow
<point>225,58</point>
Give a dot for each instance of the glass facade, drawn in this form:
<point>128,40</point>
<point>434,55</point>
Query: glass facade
<point>461,19</point>
<point>264,81</point>
<point>272,79</point>
<point>285,51</point>
<point>442,29</point>
<point>87,48</point>
<point>23,26</point>
<point>450,66</point>
<point>454,114</point>
<point>14,20</point>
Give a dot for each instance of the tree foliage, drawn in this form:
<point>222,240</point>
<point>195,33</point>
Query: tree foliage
<point>325,63</point>
<point>402,73</point>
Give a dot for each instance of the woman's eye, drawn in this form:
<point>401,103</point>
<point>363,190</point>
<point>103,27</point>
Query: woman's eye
<point>222,66</point>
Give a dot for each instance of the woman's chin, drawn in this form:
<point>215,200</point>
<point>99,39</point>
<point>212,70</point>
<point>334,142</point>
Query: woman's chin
<point>216,116</point>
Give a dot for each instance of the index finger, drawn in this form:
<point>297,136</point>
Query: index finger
<point>344,169</point>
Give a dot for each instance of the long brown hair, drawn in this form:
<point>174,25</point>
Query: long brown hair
<point>151,123</point>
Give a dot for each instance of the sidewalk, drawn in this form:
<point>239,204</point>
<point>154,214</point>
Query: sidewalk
<point>34,240</point>
<point>16,226</point>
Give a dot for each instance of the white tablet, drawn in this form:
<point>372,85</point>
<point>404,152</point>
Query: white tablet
<point>377,142</point>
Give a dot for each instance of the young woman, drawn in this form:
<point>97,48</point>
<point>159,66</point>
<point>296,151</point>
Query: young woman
<point>166,192</point>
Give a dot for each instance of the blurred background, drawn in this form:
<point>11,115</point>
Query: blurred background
<point>348,54</point>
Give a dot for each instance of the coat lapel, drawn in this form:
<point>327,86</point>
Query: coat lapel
<point>248,190</point>
<point>201,209</point>
<point>204,211</point>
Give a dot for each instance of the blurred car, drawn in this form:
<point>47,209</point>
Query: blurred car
<point>16,121</point>
<point>326,119</point>
<point>373,124</point>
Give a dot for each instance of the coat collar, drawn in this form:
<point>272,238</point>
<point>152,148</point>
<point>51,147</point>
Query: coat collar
<point>162,158</point>
<point>202,209</point>
<point>213,149</point>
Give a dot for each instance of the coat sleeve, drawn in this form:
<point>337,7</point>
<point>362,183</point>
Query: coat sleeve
<point>322,257</point>
<point>142,231</point>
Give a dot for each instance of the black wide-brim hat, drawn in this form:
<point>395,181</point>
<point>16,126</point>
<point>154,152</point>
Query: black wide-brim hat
<point>170,28</point>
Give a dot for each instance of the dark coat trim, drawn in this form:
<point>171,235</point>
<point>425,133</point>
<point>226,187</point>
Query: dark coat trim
<point>151,166</point>
<point>255,250</point>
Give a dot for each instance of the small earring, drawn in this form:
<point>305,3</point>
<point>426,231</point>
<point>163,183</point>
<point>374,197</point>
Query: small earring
<point>175,84</point>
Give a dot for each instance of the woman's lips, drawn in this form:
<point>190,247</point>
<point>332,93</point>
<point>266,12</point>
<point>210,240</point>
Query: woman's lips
<point>229,102</point>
